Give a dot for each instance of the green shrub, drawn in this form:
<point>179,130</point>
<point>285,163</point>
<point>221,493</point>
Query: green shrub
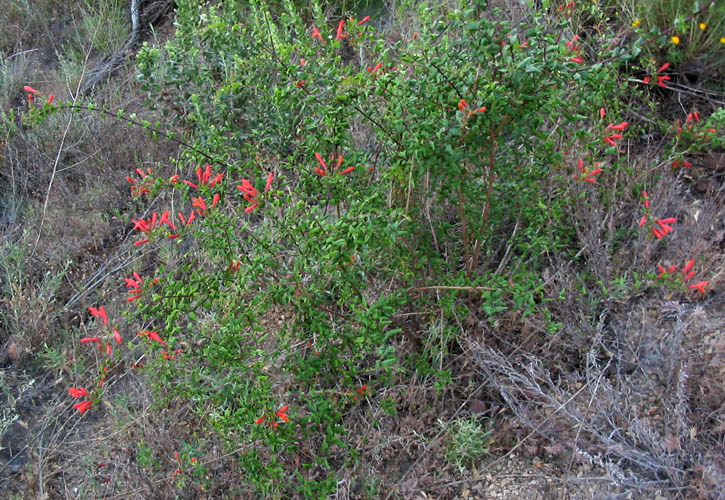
<point>334,175</point>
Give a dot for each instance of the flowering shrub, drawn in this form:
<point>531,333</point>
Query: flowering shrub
<point>330,176</point>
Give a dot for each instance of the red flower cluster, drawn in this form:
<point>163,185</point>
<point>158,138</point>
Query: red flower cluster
<point>281,413</point>
<point>661,79</point>
<point>79,392</point>
<point>141,186</point>
<point>610,139</point>
<point>463,108</point>
<point>664,224</point>
<point>251,193</point>
<point>585,175</point>
<point>205,178</point>
<point>148,225</point>
<point>135,287</point>
<point>573,47</point>
<point>168,356</point>
<point>201,206</point>
<point>152,335</point>
<point>374,70</point>
<point>687,275</point>
<point>100,312</point>
<point>322,169</point>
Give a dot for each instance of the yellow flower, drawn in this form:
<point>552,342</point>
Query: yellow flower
<point>676,40</point>
<point>635,23</point>
<point>703,26</point>
<point>722,40</point>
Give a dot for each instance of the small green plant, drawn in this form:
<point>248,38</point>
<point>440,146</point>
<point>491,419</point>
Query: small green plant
<point>468,441</point>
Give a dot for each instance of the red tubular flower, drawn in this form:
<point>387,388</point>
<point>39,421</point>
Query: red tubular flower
<point>251,193</point>
<point>213,181</point>
<point>522,45</point>
<point>689,276</point>
<point>83,406</point>
<point>646,79</point>
<point>165,220</point>
<point>135,287</point>
<point>303,63</point>
<point>50,99</point>
<point>643,220</point>
<point>152,335</point>
<point>77,392</point>
<point>30,89</point>
<point>619,126</point>
<point>347,170</point>
<point>662,270</point>
<point>571,45</point>
<point>203,175</point>
<point>662,79</point>
<point>323,170</point>
<point>155,336</point>
<point>602,113</point>
<point>117,336</point>
<point>646,199</point>
<point>658,234</point>
<point>268,184</point>
<point>688,266</point>
<point>246,187</point>
<point>316,34</point>
<point>145,226</point>
<point>376,68</point>
<point>480,110</point>
<point>665,229</point>
<point>589,177</point>
<point>363,20</point>
<point>100,312</point>
<point>462,105</point>
<point>699,286</point>
<point>663,67</point>
<point>663,223</point>
<point>186,221</point>
<point>260,419</point>
<point>577,59</point>
<point>340,28</point>
<point>200,205</point>
<point>281,413</point>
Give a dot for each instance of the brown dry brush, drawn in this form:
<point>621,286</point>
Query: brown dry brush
<point>636,426</point>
